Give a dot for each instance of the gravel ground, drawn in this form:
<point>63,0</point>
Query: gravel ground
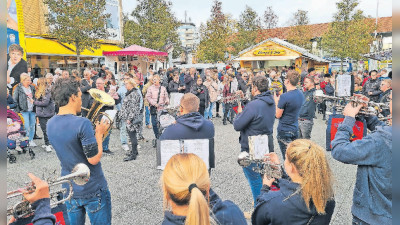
<point>135,187</point>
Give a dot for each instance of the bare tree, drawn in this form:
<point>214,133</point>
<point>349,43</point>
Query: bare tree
<point>270,18</point>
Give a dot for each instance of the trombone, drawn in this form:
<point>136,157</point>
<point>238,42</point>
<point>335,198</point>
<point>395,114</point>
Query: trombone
<point>80,175</point>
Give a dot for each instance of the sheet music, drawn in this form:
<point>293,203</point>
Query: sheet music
<point>258,146</point>
<point>175,99</point>
<point>343,85</point>
<point>168,149</point>
<point>200,147</point>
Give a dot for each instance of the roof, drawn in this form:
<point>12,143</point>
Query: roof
<point>319,29</point>
<point>286,44</point>
<point>135,50</point>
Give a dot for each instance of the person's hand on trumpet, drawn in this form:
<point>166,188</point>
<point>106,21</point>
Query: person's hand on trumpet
<point>351,110</point>
<point>40,191</point>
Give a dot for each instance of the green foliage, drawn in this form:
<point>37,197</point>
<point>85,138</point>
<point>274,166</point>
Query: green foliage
<point>300,33</point>
<point>153,25</point>
<point>248,27</point>
<point>78,22</point>
<point>350,33</point>
<point>213,36</point>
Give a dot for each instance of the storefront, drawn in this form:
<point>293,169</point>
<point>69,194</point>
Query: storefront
<point>43,53</point>
<point>49,54</point>
<point>275,52</point>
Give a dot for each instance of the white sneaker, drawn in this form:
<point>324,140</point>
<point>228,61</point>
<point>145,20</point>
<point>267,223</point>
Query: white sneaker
<point>125,147</point>
<point>32,144</point>
<point>48,148</point>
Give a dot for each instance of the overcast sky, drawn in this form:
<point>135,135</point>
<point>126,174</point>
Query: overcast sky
<point>319,11</point>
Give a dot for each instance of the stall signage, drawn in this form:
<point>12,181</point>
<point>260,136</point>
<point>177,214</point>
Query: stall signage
<point>268,52</point>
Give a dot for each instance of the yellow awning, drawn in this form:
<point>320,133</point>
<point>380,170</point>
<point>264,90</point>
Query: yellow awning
<point>43,46</point>
<point>266,58</point>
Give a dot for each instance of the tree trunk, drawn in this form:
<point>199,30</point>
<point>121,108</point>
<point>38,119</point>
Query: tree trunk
<point>78,59</point>
<point>341,65</point>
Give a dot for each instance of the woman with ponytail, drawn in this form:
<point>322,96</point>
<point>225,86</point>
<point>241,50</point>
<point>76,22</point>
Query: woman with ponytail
<point>305,196</point>
<point>188,199</point>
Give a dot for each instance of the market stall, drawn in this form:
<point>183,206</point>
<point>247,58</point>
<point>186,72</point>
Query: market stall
<point>275,52</point>
<point>133,55</point>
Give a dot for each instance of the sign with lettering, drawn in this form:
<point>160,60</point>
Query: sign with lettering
<point>263,51</point>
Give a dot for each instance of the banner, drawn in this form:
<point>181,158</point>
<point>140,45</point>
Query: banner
<point>359,129</point>
<point>15,25</point>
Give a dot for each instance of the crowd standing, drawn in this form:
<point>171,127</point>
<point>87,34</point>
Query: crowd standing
<point>250,100</point>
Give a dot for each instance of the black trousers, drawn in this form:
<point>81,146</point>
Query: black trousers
<point>228,107</point>
<point>43,124</point>
<point>134,142</point>
<point>217,107</point>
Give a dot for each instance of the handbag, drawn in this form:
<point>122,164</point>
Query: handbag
<point>153,109</point>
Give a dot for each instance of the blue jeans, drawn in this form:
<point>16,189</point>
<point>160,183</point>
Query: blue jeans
<point>154,124</point>
<point>106,141</point>
<point>147,115</point>
<point>284,138</point>
<point>98,209</point>
<point>208,113</point>
<point>123,134</point>
<point>29,124</point>
<point>255,181</point>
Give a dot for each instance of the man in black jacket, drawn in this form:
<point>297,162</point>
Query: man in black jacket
<point>307,110</point>
<point>371,87</point>
<point>257,118</point>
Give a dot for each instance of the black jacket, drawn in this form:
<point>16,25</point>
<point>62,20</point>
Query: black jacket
<point>85,87</point>
<point>374,87</point>
<point>283,207</point>
<point>21,99</point>
<point>224,212</point>
<point>257,118</point>
<point>21,67</point>
<point>202,93</point>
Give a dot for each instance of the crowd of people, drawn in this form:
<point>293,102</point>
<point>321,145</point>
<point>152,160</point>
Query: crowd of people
<point>251,101</point>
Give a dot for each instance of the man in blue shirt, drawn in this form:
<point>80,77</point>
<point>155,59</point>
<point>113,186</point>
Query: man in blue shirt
<point>307,110</point>
<point>287,111</point>
<point>75,141</point>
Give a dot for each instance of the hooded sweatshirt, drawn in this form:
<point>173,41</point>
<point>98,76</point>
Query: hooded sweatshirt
<point>276,207</point>
<point>189,126</point>
<point>372,197</point>
<point>257,118</point>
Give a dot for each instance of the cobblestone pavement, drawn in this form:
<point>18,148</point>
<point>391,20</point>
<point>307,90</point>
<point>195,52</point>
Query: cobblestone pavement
<point>135,187</point>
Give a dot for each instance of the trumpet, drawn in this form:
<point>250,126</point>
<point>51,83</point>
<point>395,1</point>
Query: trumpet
<point>234,98</point>
<point>80,175</point>
<point>371,109</point>
<point>101,99</point>
<point>263,166</point>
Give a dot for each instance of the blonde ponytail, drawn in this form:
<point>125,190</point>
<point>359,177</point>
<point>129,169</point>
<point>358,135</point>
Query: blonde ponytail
<point>312,165</point>
<point>198,212</point>
<point>181,172</point>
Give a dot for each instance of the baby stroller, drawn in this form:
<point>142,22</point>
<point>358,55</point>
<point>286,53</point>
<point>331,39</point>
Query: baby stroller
<point>16,135</point>
<point>166,117</point>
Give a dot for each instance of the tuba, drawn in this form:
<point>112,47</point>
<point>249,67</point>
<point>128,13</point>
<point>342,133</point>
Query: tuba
<point>101,99</point>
